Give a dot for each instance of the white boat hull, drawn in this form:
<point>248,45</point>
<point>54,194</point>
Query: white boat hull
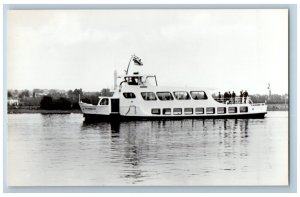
<point>102,113</point>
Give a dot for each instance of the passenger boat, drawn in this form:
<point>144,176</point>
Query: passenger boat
<point>137,98</point>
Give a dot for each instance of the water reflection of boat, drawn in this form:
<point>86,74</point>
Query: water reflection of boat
<point>137,98</point>
<point>144,151</point>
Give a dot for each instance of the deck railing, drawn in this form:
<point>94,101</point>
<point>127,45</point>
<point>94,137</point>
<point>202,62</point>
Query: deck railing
<point>258,104</point>
<point>238,100</point>
<point>235,100</point>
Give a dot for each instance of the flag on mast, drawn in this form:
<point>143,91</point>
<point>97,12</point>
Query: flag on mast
<point>137,61</point>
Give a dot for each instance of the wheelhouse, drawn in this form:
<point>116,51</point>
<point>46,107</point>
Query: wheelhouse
<point>138,80</point>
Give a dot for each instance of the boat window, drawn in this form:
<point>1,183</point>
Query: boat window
<point>129,95</point>
<point>148,96</point>
<point>198,95</point>
<point>143,80</point>
<point>104,101</point>
<point>244,109</point>
<point>164,96</point>
<point>151,80</point>
<point>155,111</point>
<point>221,110</point>
<point>210,110</point>
<point>188,110</point>
<point>199,110</point>
<point>181,95</point>
<point>177,111</point>
<point>232,109</point>
<point>133,80</point>
<point>167,111</point>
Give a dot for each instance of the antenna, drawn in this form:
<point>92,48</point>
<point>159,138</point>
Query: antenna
<point>129,64</point>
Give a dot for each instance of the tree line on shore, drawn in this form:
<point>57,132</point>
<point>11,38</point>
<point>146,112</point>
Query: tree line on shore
<point>272,99</point>
<point>57,100</point>
<point>65,100</point>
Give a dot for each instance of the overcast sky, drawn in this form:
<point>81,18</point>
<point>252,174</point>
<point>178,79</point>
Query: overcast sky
<point>222,49</point>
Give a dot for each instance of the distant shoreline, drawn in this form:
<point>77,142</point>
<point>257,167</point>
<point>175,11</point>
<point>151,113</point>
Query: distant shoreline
<point>42,111</point>
<point>32,110</point>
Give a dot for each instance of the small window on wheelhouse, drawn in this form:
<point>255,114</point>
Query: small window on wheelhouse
<point>167,111</point>
<point>243,109</point>
<point>188,111</point>
<point>210,110</point>
<point>181,95</point>
<point>129,95</point>
<point>164,96</point>
<point>199,110</point>
<point>198,95</point>
<point>177,111</point>
<point>221,110</point>
<point>155,111</point>
<point>232,110</point>
<point>104,101</point>
<point>133,80</point>
<point>148,96</point>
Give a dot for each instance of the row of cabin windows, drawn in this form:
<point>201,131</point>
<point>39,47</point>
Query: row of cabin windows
<point>198,110</point>
<point>167,96</point>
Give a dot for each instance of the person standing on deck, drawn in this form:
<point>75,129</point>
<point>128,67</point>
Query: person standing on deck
<point>220,97</point>
<point>225,97</point>
<point>233,96</point>
<point>229,97</point>
<point>245,95</point>
<point>241,96</point>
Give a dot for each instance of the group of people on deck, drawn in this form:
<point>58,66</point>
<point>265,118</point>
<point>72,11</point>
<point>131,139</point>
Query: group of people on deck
<point>231,97</point>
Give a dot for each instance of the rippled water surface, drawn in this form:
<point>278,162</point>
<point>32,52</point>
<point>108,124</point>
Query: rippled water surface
<point>62,150</point>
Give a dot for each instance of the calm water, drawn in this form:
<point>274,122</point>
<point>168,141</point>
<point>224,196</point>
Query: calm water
<point>61,150</point>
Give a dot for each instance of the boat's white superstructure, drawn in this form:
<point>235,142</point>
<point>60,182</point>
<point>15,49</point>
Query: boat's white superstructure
<point>137,98</point>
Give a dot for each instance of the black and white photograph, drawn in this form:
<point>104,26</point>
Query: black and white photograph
<point>148,97</point>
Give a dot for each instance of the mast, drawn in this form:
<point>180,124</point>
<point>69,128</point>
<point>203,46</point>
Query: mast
<point>136,60</point>
<point>129,64</point>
